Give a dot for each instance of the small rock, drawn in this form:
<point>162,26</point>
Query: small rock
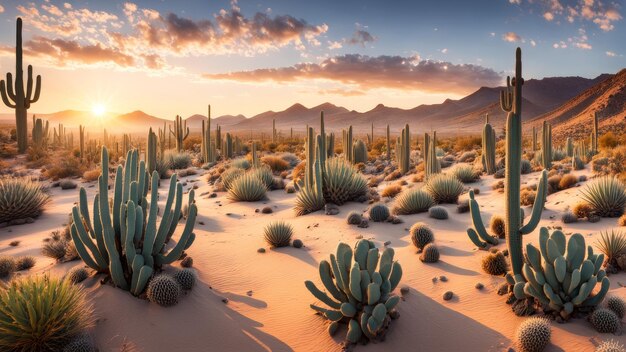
<point>443,278</point>
<point>201,222</point>
<point>224,300</point>
<point>448,295</point>
<point>505,252</point>
<point>404,290</point>
<point>213,195</point>
<point>387,243</point>
<point>261,250</point>
<point>249,293</point>
<point>479,286</point>
<point>297,243</point>
<point>435,279</point>
<point>396,220</point>
<point>364,224</point>
<point>256,210</point>
<point>267,210</point>
<point>331,209</point>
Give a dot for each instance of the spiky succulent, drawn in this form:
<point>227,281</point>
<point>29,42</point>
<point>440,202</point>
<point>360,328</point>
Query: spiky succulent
<point>413,201</point>
<point>525,167</point>
<point>240,163</point>
<point>437,212</point>
<point>466,173</point>
<point>533,334</point>
<point>605,320</point>
<point>247,188</point>
<point>278,233</point>
<point>610,346</point>
<point>495,264</point>
<point>342,182</point>
<point>264,173</point>
<point>430,254</point>
<point>357,293</point>
<point>379,212</point>
<point>229,175</point>
<point>42,313</point>
<point>163,290</point>
<point>444,188</point>
<point>354,218</point>
<point>21,198</point>
<point>421,235</point>
<point>81,343</point>
<point>177,160</point>
<point>607,196</point>
<point>568,217</point>
<point>617,305</point>
<point>612,243</point>
<point>186,278</point>
<point>309,200</point>
<point>77,274</point>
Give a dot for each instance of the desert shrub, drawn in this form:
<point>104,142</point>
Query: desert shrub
<point>608,141</point>
<point>568,217</point>
<point>379,212</point>
<point>67,184</point>
<point>391,190</point>
<point>21,198</point>
<point>65,166</point>
<point>91,175</point>
<point>7,265</point>
<point>278,234</point>
<point>527,197</point>
<point>291,158</point>
<point>61,313</point>
<point>162,167</point>
<point>177,160</point>
<point>582,210</point>
<point>275,163</point>
<point>494,264</point>
<point>568,181</point>
<point>247,188</point>
<point>413,201</point>
<point>466,173</point>
<point>444,188</point>
<point>496,224</point>
<point>240,163</point>
<point>297,174</point>
<point>553,182</point>
<point>229,175</point>
<point>622,220</point>
<point>578,163</point>
<point>24,263</point>
<point>437,212</point>
<point>533,334</point>
<point>467,157</point>
<point>612,244</point>
<point>605,321</point>
<point>264,174</point>
<point>526,167</point>
<point>421,235</point>
<point>606,195</point>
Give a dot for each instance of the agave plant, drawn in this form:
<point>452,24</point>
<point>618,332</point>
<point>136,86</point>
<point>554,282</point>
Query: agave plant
<point>247,188</point>
<point>41,313</point>
<point>413,201</point>
<point>240,163</point>
<point>229,175</point>
<point>177,160</point>
<point>342,182</point>
<point>444,188</point>
<point>612,244</point>
<point>466,173</point>
<point>264,173</point>
<point>606,195</point>
<point>21,198</point>
<point>278,234</point>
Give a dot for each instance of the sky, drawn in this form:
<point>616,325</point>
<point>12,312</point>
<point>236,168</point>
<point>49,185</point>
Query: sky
<point>246,57</point>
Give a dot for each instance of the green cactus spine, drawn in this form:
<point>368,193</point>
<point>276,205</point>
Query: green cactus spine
<point>15,97</point>
<point>489,148</point>
<point>129,245</point>
<point>511,102</point>
<point>180,132</point>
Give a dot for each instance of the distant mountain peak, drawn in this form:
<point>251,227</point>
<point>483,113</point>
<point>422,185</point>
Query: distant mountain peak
<point>297,107</point>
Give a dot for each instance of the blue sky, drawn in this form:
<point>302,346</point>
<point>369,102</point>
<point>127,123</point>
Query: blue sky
<point>168,57</point>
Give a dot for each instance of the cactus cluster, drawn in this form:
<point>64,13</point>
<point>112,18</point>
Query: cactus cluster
<point>430,253</point>
<point>128,244</point>
<point>40,133</point>
<point>186,278</point>
<point>359,287</point>
<point>180,132</point>
<point>559,276</point>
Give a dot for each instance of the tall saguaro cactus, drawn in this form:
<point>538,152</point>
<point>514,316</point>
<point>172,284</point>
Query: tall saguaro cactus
<point>594,134</point>
<point>489,148</point>
<point>511,102</point>
<point>180,132</point>
<point>403,152</point>
<point>208,148</point>
<point>15,97</point>
<point>388,144</point>
<point>546,145</point>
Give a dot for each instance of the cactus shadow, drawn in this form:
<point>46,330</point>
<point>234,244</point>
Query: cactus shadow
<point>455,252</point>
<point>455,269</point>
<point>298,253</point>
<point>245,299</point>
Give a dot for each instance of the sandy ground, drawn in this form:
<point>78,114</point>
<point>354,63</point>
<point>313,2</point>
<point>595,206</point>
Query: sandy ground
<point>268,304</point>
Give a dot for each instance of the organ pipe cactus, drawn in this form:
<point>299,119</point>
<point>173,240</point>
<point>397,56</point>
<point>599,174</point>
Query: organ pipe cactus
<point>227,148</point>
<point>359,152</point>
<point>546,145</point>
<point>348,144</point>
<point>559,276</point>
<point>180,132</point>
<point>274,134</point>
<point>124,241</point>
<point>208,148</point>
<point>489,148</point>
<point>511,102</point>
<point>359,287</point>
<point>151,152</point>
<point>534,139</point>
<point>403,152</point>
<point>81,130</point>
<point>432,165</point>
<point>40,133</point>
<point>15,97</point>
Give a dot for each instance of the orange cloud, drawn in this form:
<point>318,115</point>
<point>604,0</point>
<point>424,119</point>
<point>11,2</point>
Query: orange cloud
<point>366,73</point>
<point>63,52</point>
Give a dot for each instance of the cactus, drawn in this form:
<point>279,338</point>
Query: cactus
<point>247,188</point>
<point>311,195</point>
<point>379,212</point>
<point>413,201</point>
<point>40,133</point>
<point>354,218</point>
<point>569,147</point>
<point>77,274</point>
<point>403,150</point>
<point>15,97</point>
<point>151,152</point>
<point>546,146</point>
<point>594,134</point>
<point>605,321</point>
<point>21,198</point>
<point>534,146</point>
<point>163,290</point>
<point>494,264</point>
<point>489,148</point>
<point>208,148</point>
<point>610,346</point>
<point>278,234</point>
<point>356,292</point>
<point>359,153</point>
<point>341,182</point>
<point>432,166</point>
<point>347,144</point>
<point>437,212</point>
<point>533,334</point>
<point>430,254</point>
<point>129,245</point>
<point>186,278</point>
<point>227,147</point>
<point>81,343</point>
<point>511,102</point>
<point>388,144</point>
<point>421,235</point>
<point>81,130</point>
<point>330,145</point>
<point>564,280</point>
<point>180,132</point>
<point>444,188</point>
<point>617,305</point>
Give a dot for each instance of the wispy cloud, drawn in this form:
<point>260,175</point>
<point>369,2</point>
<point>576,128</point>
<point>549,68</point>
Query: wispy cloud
<point>511,37</point>
<point>365,73</point>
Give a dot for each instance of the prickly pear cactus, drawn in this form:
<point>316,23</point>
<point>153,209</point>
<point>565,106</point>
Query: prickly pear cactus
<point>559,276</point>
<point>359,285</point>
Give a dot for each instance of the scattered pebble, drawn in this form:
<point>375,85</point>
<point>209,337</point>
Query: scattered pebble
<point>479,286</point>
<point>267,210</point>
<point>261,250</point>
<point>443,278</point>
<point>435,279</point>
<point>224,300</point>
<point>448,295</point>
<point>387,243</point>
<point>249,293</point>
<point>297,243</point>
<point>404,290</point>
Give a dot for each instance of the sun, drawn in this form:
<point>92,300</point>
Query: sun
<point>98,109</point>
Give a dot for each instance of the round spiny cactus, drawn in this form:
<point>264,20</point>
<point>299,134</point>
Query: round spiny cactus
<point>610,346</point>
<point>568,217</point>
<point>413,201</point>
<point>617,305</point>
<point>81,343</point>
<point>379,212</point>
<point>495,264</point>
<point>77,274</point>
<point>354,218</point>
<point>186,278</point>
<point>497,226</point>
<point>605,320</point>
<point>7,265</point>
<point>526,167</point>
<point>163,290</point>
<point>421,235</point>
<point>437,212</point>
<point>430,254</point>
<point>533,334</point>
<point>278,234</point>
<point>21,199</point>
<point>247,188</point>
<point>444,188</point>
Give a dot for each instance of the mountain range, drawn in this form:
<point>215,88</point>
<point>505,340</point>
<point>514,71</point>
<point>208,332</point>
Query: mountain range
<point>560,100</point>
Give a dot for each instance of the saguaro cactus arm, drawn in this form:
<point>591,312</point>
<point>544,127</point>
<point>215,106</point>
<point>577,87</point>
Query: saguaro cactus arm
<point>540,200</point>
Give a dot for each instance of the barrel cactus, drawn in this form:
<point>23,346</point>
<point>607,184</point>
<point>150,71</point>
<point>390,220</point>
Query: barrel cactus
<point>186,278</point>
<point>444,188</point>
<point>356,292</point>
<point>21,199</point>
<point>430,254</point>
<point>163,290</point>
<point>605,321</point>
<point>533,334</point>
<point>495,264</point>
<point>354,218</point>
<point>247,188</point>
<point>437,212</point>
<point>124,240</point>
<point>421,235</point>
<point>278,234</point>
<point>617,305</point>
<point>561,279</point>
<point>413,201</point>
<point>379,212</point>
